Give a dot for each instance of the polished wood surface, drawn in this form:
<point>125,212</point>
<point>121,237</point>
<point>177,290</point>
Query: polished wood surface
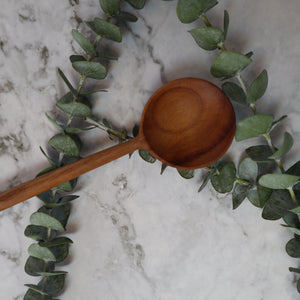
<point>188,123</point>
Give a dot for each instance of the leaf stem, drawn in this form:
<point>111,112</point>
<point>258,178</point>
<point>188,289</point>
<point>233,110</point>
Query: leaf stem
<point>205,20</point>
<point>241,181</point>
<point>242,83</point>
<point>293,196</point>
<point>114,132</point>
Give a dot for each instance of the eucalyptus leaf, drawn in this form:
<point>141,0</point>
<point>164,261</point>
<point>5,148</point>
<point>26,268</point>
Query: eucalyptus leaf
<point>60,213</point>
<point>291,219</point>
<point>228,64</point>
<point>46,170</point>
<point>295,270</point>
<point>90,69</point>
<point>85,44</point>
<point>248,169</point>
<point>258,195</point>
<point>47,196</point>
<point>105,55</point>
<point>48,274</point>
<point>293,230</point>
<point>258,87</point>
<point>268,213</point>
<point>56,242</point>
<point>137,4</point>
<point>187,174</point>
<point>223,177</point>
<point>64,144</point>
<point>260,153</point>
<point>39,233</point>
<point>278,181</point>
<point>295,210</point>
<point>278,122</point>
<point>293,248</point>
<point>67,82</point>
<point>52,285</point>
<point>74,58</point>
<point>105,29</point>
<point>163,168</point>
<point>238,195</point>
<point>34,295</point>
<point>37,289</point>
<point>145,155</point>
<point>74,108</point>
<point>285,148</point>
<point>235,93</point>
<point>60,128</point>
<point>189,11</point>
<point>204,182</point>
<point>253,126</point>
<point>67,186</point>
<point>60,252</point>
<point>111,7</point>
<point>34,266</point>
<point>226,24</point>
<point>62,201</point>
<point>207,38</point>
<point>126,16</point>
<point>42,219</point>
<point>51,161</point>
<point>43,253</point>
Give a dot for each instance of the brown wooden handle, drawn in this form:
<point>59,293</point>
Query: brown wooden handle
<point>54,178</point>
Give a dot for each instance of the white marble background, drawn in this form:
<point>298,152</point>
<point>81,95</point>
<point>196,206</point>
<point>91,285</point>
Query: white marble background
<point>138,235</point>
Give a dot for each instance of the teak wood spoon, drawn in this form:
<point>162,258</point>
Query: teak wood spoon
<point>188,123</point>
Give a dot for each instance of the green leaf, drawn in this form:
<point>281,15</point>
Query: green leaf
<point>204,182</point>
<point>42,219</point>
<point>48,274</point>
<point>43,253</point>
<point>187,174</point>
<point>56,242</point>
<point>62,201</point>
<point>238,195</point>
<point>39,233</point>
<point>268,213</point>
<point>60,252</point>
<point>60,213</point>
<point>74,58</point>
<point>278,181</point>
<point>105,29</point>
<point>67,186</point>
<point>295,169</point>
<point>64,144</point>
<point>293,248</point>
<point>74,108</point>
<point>228,64</point>
<point>67,82</point>
<point>223,178</point>
<point>52,285</point>
<point>90,69</point>
<point>248,169</point>
<point>296,210</point>
<point>46,170</point>
<point>258,87</point>
<point>207,38</point>
<point>280,202</point>
<point>84,43</point>
<point>291,219</point>
<point>293,229</point>
<point>34,295</point>
<point>111,7</point>
<point>189,11</point>
<point>34,266</point>
<point>276,123</point>
<point>285,148</point>
<point>163,168</point>
<point>258,195</point>
<point>295,270</point>
<point>226,24</point>
<point>125,16</point>
<point>105,55</point>
<point>145,155</point>
<point>137,4</point>
<point>51,161</point>
<point>60,128</point>
<point>260,153</point>
<point>253,126</point>
<point>235,93</point>
<point>37,289</point>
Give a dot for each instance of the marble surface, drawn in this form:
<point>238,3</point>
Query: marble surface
<point>139,235</point>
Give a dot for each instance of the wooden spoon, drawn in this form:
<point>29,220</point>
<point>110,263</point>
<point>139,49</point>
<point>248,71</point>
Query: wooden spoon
<point>188,123</point>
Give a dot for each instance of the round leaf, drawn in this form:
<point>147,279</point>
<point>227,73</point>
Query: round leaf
<point>90,69</point>
<point>278,181</point>
<point>189,11</point>
<point>43,253</point>
<point>105,29</point>
<point>111,7</point>
<point>223,179</point>
<point>42,219</point>
<point>35,295</point>
<point>293,248</point>
<point>228,64</point>
<point>258,87</point>
<point>253,126</point>
<point>285,148</point>
<point>84,43</point>
<point>39,233</point>
<point>235,93</point>
<point>34,266</point>
<point>137,4</point>
<point>248,169</point>
<point>64,144</point>
<point>145,155</point>
<point>52,285</point>
<point>125,16</point>
<point>260,153</point>
<point>207,38</point>
<point>238,195</point>
<point>187,174</point>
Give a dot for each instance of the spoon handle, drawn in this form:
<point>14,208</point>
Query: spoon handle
<point>54,178</point>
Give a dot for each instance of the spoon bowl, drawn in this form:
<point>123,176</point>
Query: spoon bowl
<point>188,123</point>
